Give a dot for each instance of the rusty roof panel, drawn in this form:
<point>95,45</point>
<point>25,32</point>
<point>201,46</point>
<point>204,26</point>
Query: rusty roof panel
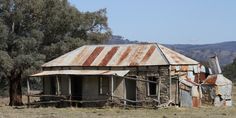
<point>120,55</point>
<point>108,56</point>
<point>138,53</point>
<point>148,54</point>
<point>93,56</point>
<point>175,58</point>
<point>124,55</point>
<point>217,79</point>
<point>79,56</point>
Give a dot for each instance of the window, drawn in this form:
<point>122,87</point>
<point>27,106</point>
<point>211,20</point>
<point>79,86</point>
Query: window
<point>103,85</point>
<point>152,87</point>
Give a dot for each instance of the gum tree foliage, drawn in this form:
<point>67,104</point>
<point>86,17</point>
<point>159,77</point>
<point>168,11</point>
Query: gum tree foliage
<point>230,71</point>
<point>35,31</point>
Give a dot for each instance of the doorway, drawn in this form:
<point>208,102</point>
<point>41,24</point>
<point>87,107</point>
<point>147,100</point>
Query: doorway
<point>130,90</point>
<point>76,87</point>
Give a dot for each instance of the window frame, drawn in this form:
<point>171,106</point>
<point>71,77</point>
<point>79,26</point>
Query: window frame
<point>148,86</point>
<point>101,85</point>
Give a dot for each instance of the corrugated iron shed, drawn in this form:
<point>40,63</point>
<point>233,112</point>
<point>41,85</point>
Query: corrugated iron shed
<point>120,55</point>
<point>221,91</point>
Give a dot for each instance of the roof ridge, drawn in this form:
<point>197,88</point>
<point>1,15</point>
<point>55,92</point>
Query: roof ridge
<point>163,54</point>
<point>120,44</point>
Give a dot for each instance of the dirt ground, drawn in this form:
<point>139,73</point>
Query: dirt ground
<point>170,112</point>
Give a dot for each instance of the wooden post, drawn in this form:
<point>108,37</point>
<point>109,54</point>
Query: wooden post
<point>28,92</point>
<point>70,90</point>
<point>58,85</point>
<point>124,87</point>
<point>112,87</point>
<point>159,89</point>
<point>170,82</point>
<point>178,92</point>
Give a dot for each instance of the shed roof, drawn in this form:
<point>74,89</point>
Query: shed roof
<point>176,58</point>
<point>120,55</point>
<point>217,79</point>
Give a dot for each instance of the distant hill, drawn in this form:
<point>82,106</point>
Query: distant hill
<point>226,51</point>
<point>120,40</point>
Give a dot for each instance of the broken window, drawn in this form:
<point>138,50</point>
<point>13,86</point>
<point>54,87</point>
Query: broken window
<point>103,85</point>
<point>152,87</point>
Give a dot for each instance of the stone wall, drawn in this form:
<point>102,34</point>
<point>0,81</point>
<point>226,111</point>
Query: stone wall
<point>141,90</point>
<point>164,84</point>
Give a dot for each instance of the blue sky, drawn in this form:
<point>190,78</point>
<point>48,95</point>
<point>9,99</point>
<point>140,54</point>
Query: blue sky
<point>168,21</point>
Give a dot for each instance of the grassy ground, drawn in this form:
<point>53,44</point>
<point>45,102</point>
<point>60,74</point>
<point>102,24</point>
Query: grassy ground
<point>171,112</point>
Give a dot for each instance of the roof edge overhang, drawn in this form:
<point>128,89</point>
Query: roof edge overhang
<point>81,72</point>
<point>102,66</point>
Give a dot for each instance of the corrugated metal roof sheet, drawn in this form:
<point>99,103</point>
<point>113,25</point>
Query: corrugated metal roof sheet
<point>120,55</point>
<point>82,72</point>
<point>176,58</point>
<point>217,79</point>
<point>111,55</point>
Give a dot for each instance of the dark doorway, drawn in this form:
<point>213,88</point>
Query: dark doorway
<point>130,90</point>
<point>76,87</point>
<point>53,86</point>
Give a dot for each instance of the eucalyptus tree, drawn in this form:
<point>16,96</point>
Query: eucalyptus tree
<point>35,31</point>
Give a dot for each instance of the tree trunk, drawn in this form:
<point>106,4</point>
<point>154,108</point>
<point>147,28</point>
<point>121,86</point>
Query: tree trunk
<point>15,92</point>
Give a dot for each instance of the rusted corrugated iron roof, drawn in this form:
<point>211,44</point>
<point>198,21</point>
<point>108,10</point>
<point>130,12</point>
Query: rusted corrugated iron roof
<point>176,58</point>
<point>120,55</point>
<point>217,79</point>
<point>111,55</point>
<point>82,72</point>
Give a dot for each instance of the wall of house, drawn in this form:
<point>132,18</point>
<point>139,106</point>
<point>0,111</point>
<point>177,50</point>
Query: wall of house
<point>161,72</point>
<point>141,90</point>
<point>63,81</point>
<point>90,84</point>
<point>90,89</point>
<point>119,89</point>
<point>164,84</point>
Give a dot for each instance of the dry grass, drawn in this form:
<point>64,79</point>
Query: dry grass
<point>51,112</point>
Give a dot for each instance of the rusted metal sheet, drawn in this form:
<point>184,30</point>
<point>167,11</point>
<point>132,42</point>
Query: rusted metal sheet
<point>217,79</point>
<point>82,72</point>
<point>175,58</point>
<point>124,55</point>
<point>196,102</point>
<point>190,93</point>
<point>148,54</point>
<point>111,55</point>
<point>121,55</point>
<point>93,56</point>
<point>214,64</point>
<point>219,88</point>
<point>185,98</point>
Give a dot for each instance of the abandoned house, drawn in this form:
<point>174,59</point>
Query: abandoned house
<point>127,74</point>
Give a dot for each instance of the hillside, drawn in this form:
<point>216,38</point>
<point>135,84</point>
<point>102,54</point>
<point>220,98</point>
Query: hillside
<point>226,51</point>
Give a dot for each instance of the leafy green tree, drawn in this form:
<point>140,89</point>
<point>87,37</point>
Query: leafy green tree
<point>230,71</point>
<point>35,31</point>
